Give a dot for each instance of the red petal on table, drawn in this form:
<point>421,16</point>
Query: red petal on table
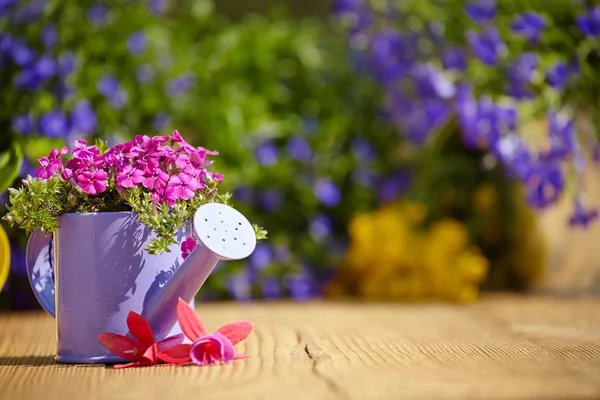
<point>236,331</point>
<point>142,363</point>
<point>139,328</point>
<point>170,342</point>
<point>122,346</point>
<point>240,356</point>
<point>190,323</point>
<point>179,354</point>
<point>151,353</point>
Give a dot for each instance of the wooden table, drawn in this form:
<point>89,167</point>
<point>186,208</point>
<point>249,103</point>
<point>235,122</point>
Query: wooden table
<point>500,348</point>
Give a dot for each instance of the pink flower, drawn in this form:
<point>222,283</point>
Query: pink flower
<point>49,167</point>
<point>212,349</point>
<point>187,247</point>
<point>181,187</point>
<point>93,183</point>
<point>66,174</point>
<point>183,161</point>
<point>82,150</point>
<point>176,137</point>
<point>155,178</point>
<point>130,177</point>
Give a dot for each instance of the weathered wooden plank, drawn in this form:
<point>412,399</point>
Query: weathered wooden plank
<point>501,347</point>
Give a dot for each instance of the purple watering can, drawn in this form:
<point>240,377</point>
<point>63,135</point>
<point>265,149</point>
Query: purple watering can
<point>93,270</point>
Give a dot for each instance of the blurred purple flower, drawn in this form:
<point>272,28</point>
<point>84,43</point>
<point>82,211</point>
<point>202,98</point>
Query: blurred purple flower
<point>419,116</point>
<point>97,14</point>
<point>53,124</point>
<point>144,74</point>
<point>363,149</point>
<point>29,12</point>
<point>561,135</point>
<point>346,6</point>
<point>28,79</point>
<point>454,58</point>
<point>481,122</point>
<point>17,261</point>
<point>327,192</point>
<point>520,72</point>
<point>364,176</point>
<point>66,63</point>
<point>243,194</point>
<point>269,201</point>
<point>529,25</point>
<point>321,226</point>
<point>45,67</point>
<point>589,23</point>
<point>21,54</point>
<point>49,36</point>
<point>488,46</point>
<point>302,286</point>
<point>6,41</point>
<point>299,149</point>
<point>5,5</point>
<point>181,84</point>
<point>119,99</point>
<point>430,81</point>
<point>108,86</point>
<point>158,7</point>
<point>523,68</point>
<point>557,75</point>
<point>514,154</point>
<point>83,118</point>
<point>544,182</point>
<point>27,167</point>
<point>238,286</point>
<point>23,123</point>
<point>282,253</point>
<point>161,121</point>
<point>389,55</point>
<point>266,153</point>
<point>394,186</point>
<point>270,288</point>
<point>481,11</point>
<point>261,257</point>
<point>137,43</point>
<point>582,216</point>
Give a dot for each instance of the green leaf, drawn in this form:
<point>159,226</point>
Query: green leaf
<point>10,165</point>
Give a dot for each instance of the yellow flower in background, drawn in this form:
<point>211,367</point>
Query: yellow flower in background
<point>391,257</point>
<point>4,257</point>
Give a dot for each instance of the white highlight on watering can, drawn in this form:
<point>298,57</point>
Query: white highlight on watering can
<point>224,231</point>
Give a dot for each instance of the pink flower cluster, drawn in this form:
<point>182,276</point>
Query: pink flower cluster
<point>168,167</point>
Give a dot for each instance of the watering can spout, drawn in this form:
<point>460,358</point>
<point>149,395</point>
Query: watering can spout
<point>223,233</point>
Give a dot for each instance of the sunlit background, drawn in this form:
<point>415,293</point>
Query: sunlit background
<point>413,150</point>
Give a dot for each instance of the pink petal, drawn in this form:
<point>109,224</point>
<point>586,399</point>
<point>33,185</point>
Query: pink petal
<point>122,346</point>
<point>236,331</point>
<point>227,352</point>
<point>170,342</point>
<point>191,325</point>
<point>179,354</point>
<point>240,356</point>
<point>139,328</point>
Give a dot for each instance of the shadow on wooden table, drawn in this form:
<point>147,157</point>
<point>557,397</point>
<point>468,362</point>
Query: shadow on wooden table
<point>27,361</point>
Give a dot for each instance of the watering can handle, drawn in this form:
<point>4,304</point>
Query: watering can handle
<point>40,269</point>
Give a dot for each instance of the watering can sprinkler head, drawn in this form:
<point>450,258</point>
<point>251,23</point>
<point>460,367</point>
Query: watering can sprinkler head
<point>223,234</point>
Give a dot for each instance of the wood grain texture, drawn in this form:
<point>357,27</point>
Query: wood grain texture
<point>499,348</point>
